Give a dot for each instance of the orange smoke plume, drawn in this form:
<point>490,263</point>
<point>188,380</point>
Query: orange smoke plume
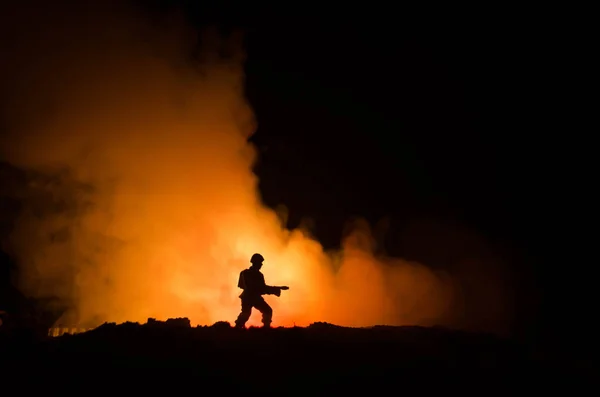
<point>145,203</point>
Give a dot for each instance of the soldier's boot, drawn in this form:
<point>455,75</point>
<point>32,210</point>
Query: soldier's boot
<point>241,320</point>
<point>266,318</point>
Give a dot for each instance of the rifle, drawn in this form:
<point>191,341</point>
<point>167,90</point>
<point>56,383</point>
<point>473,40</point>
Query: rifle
<point>271,290</point>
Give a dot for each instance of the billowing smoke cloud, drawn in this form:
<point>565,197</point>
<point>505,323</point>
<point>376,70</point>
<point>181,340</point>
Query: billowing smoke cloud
<point>137,197</point>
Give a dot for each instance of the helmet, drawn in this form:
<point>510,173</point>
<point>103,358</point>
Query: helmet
<point>257,258</point>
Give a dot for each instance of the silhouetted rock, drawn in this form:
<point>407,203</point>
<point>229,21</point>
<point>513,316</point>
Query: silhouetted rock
<point>322,326</point>
<point>221,325</point>
<point>178,322</point>
<point>170,323</point>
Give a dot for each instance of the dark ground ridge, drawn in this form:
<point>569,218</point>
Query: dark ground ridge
<point>321,358</point>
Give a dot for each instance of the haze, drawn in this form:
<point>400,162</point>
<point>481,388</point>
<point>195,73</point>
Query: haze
<point>142,201</point>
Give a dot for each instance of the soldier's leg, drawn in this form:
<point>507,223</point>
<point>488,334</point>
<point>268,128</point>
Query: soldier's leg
<point>244,314</point>
<point>265,309</point>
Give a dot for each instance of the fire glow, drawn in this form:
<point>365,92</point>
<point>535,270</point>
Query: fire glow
<point>170,213</point>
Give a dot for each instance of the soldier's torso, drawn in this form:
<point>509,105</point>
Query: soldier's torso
<point>253,282</point>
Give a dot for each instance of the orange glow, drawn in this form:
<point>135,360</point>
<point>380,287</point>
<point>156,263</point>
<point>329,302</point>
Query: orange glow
<point>176,213</point>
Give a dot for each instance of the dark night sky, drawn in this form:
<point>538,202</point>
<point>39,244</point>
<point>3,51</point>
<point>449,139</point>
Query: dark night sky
<point>445,116</point>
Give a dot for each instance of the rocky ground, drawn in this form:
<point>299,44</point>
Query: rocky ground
<point>321,359</point>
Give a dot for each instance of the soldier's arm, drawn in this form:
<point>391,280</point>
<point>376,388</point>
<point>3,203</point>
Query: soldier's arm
<point>267,289</point>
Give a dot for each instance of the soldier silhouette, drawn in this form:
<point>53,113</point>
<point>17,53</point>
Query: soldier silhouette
<point>252,282</point>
